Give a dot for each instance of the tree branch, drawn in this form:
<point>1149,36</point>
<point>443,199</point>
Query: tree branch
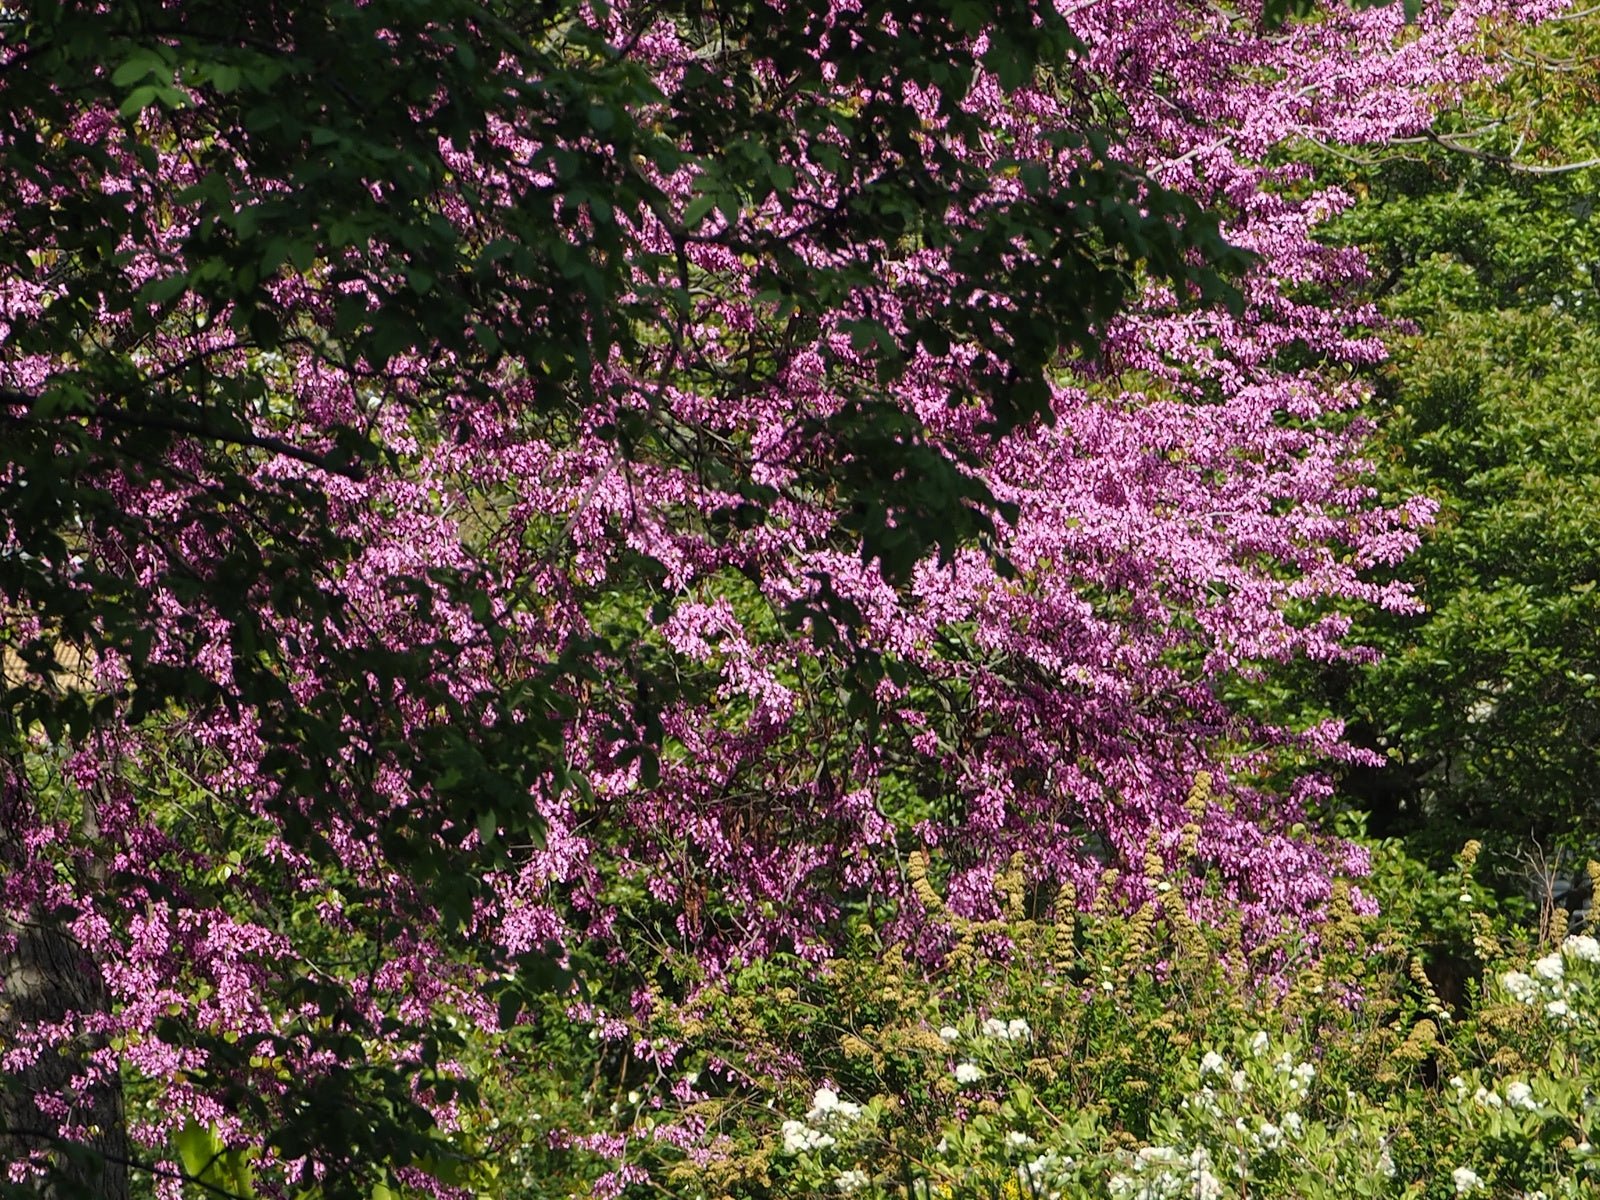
<point>238,437</point>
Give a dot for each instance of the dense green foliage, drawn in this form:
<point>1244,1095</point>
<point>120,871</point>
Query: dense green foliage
<point>1486,250</point>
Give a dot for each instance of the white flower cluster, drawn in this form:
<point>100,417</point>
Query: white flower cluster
<point>1548,984</point>
<point>827,1108</point>
<point>852,1180</point>
<point>1251,1109</point>
<point>1042,1176</point>
<point>1167,1173</point>
<point>1298,1075</point>
<point>1518,1094</point>
<point>799,1137</point>
<point>1294,1076</point>
<point>1268,1137</point>
<point>1582,947</point>
<point>1015,1030</point>
<point>827,1111</point>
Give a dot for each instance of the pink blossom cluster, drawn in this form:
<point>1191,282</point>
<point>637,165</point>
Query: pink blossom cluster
<point>1197,511</point>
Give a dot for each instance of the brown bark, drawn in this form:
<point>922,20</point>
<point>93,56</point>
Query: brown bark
<point>46,976</point>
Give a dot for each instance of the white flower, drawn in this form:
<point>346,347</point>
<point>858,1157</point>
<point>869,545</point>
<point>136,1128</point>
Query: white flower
<point>826,1106</point>
<point>1557,1009</point>
<point>634,1097</point>
<point>1239,1081</point>
<point>1583,947</point>
<point>1293,1123</point>
<point>1157,1154</point>
<point>1014,1030</point>
<point>968,1073</point>
<point>1520,1095</point>
<point>1212,1063</point>
<point>1550,967</point>
<point>1271,1136</point>
<point>1520,987</point>
<point>1466,1180</point>
<point>1034,1175</point>
<point>1259,1042</point>
<point>850,1181</point>
<point>1302,1076</point>
<point>799,1137</point>
<point>1487,1098</point>
<point>950,1034</point>
<point>1017,1138</point>
<point>1386,1163</point>
<point>1458,1083</point>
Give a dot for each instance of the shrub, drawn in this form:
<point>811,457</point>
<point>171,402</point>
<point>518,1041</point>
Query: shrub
<point>1125,1055</point>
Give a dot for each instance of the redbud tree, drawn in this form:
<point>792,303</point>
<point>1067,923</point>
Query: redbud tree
<point>482,480</point>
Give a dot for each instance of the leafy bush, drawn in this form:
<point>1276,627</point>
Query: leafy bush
<point>1125,1056</point>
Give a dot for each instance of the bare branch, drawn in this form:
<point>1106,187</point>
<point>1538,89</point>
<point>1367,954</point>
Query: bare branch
<point>1510,163</point>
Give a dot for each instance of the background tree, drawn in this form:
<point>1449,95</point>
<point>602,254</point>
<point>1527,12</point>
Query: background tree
<point>1485,248</point>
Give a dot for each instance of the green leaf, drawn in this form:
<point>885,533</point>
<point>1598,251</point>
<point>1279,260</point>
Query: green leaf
<point>140,65</point>
<point>225,78</point>
<point>138,100</point>
<point>698,210</point>
<point>197,1146</point>
<point>159,291</point>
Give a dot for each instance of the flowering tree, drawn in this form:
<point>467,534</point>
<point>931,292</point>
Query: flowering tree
<point>483,479</point>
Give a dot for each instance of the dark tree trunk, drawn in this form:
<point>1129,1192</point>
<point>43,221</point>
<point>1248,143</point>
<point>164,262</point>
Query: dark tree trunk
<point>46,975</point>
